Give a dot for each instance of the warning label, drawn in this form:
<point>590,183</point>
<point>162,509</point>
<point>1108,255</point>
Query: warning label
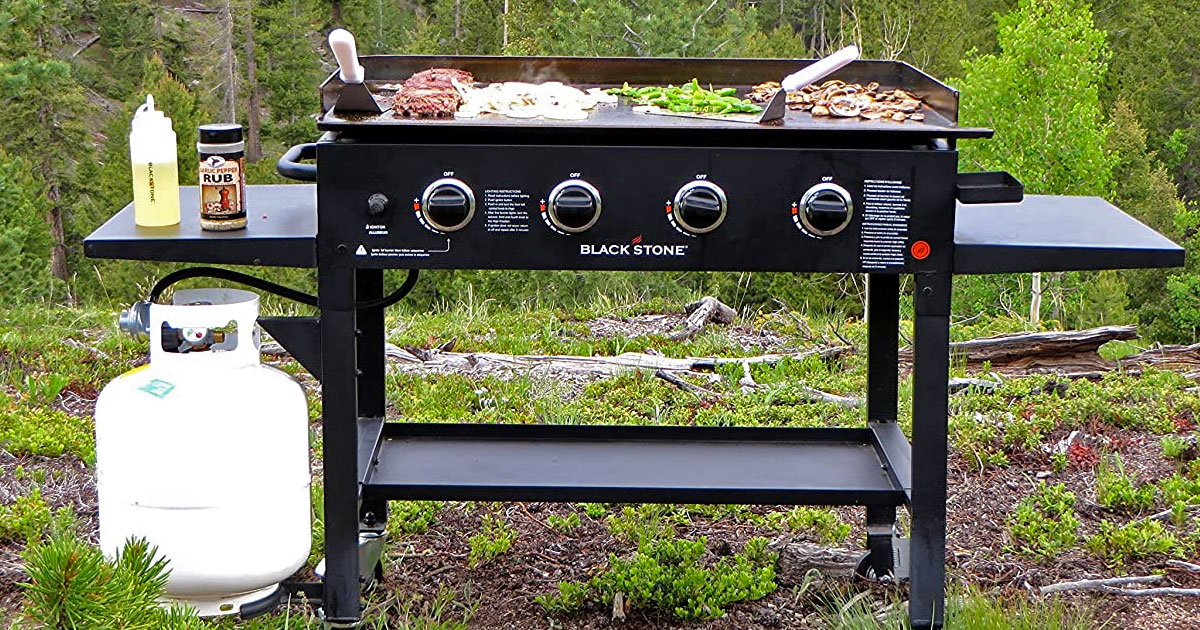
<point>887,206</point>
<point>506,210</point>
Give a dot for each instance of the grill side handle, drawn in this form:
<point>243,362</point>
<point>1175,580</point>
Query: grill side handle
<point>289,164</point>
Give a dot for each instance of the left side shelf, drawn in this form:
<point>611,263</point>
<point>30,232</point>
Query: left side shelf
<point>281,232</point>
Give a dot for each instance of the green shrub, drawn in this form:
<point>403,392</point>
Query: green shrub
<point>670,576</point>
<point>29,518</point>
<point>26,430</point>
<point>563,524</point>
<point>829,529</point>
<point>1118,491</point>
<point>496,538</point>
<point>1045,524</point>
<point>1176,448</point>
<point>1137,539</point>
<point>412,517</point>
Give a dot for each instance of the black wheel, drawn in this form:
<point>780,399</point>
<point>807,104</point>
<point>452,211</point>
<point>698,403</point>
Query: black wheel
<point>865,572</point>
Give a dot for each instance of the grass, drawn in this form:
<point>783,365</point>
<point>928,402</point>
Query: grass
<point>969,610</point>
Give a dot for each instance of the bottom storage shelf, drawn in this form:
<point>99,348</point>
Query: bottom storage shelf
<point>631,464</point>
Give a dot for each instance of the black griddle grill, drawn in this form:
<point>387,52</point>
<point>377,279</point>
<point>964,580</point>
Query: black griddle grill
<point>384,183</point>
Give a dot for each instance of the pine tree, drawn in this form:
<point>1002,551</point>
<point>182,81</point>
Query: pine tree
<point>24,237</point>
<point>289,68</point>
<point>43,114</point>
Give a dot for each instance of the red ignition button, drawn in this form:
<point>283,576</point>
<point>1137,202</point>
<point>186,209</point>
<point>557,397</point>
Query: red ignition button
<point>920,250</point>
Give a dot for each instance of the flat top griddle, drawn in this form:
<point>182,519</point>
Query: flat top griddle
<point>941,101</point>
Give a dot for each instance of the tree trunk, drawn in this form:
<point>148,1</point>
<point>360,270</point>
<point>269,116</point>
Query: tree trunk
<point>1035,299</point>
<point>457,23</point>
<point>253,115</point>
<point>58,248</point>
<point>229,102</point>
<point>504,27</point>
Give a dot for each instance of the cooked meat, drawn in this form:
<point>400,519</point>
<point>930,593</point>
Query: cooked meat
<point>427,102</point>
<point>439,77</point>
<point>431,93</point>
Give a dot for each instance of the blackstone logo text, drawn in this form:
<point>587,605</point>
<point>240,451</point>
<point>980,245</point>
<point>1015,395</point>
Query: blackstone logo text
<point>628,249</point>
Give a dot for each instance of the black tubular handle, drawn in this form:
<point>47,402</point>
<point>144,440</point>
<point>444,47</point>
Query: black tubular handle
<point>290,167</point>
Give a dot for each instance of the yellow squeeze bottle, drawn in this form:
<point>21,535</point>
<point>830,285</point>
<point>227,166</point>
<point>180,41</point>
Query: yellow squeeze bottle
<point>155,167</point>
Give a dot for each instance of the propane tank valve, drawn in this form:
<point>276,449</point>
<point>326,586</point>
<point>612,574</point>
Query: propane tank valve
<point>135,320</point>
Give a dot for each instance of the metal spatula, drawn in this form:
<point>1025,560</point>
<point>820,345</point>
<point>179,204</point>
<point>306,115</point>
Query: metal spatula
<point>355,97</point>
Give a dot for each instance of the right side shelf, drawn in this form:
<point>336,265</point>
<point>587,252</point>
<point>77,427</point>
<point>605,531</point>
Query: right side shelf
<point>1055,233</point>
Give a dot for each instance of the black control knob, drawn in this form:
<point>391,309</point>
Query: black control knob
<point>826,209</point>
<point>377,204</point>
<point>448,204</point>
<point>700,207</point>
<point>574,206</point>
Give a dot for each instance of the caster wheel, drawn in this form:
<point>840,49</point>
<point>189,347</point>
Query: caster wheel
<point>864,572</point>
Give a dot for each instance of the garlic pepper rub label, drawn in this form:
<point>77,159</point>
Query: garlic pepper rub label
<point>222,188</point>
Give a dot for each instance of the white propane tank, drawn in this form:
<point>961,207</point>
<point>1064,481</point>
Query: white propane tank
<point>205,454</point>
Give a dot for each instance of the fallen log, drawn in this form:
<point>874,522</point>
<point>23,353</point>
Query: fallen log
<point>797,558</point>
<point>1042,351</point>
<point>700,314</point>
<point>438,360</point>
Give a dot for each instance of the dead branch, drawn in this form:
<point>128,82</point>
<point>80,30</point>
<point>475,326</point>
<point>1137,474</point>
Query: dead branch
<point>1186,566</point>
<point>86,45</point>
<point>83,346</point>
<point>816,395</point>
<point>700,313</point>
<point>1113,586</point>
<point>684,385</point>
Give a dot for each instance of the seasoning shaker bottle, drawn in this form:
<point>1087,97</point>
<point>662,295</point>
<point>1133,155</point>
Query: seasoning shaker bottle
<point>155,166</point>
<point>222,177</point>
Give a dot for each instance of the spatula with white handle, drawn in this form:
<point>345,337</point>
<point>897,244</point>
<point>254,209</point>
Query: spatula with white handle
<point>355,96</point>
<point>819,69</point>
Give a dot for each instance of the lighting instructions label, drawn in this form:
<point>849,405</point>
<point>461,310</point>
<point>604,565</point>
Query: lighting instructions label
<point>506,210</point>
<point>887,206</point>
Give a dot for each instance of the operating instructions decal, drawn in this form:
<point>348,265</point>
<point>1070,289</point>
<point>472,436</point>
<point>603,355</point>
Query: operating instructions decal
<point>887,206</point>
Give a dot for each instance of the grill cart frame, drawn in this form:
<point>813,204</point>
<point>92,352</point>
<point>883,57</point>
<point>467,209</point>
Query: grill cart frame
<point>368,461</point>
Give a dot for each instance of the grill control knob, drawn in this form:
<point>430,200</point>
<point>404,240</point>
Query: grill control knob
<point>826,209</point>
<point>700,207</point>
<point>448,204</point>
<point>574,206</point>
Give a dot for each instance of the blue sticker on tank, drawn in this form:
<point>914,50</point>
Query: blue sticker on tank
<point>157,388</point>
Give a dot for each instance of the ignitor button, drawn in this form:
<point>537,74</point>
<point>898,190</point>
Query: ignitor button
<point>448,204</point>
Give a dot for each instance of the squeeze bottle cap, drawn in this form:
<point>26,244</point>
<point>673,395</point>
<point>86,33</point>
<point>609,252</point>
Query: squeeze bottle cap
<point>148,119</point>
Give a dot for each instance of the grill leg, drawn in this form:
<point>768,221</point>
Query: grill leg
<point>371,365</point>
<point>339,398</point>
<point>931,367</point>
<point>881,525</point>
<point>883,336</point>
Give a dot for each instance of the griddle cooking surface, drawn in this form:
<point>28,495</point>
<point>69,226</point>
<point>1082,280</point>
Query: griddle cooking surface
<point>941,109</point>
